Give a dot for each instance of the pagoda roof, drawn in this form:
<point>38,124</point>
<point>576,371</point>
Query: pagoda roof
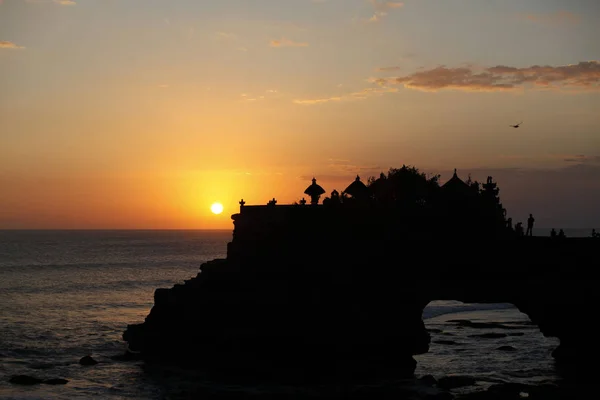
<point>314,189</point>
<point>357,188</point>
<point>455,183</point>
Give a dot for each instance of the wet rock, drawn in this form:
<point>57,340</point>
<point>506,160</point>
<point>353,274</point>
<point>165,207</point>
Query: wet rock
<point>440,396</point>
<point>518,391</point>
<point>25,380</point>
<point>87,360</point>
<point>428,380</point>
<point>56,381</point>
<point>506,348</point>
<point>510,390</point>
<point>453,382</point>
<point>516,334</point>
<point>431,330</point>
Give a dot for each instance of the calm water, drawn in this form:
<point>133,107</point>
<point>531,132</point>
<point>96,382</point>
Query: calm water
<point>67,294</point>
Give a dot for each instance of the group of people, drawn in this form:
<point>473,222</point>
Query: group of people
<point>561,234</point>
<point>519,227</point>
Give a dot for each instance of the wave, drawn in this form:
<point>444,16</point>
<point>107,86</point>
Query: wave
<point>437,308</point>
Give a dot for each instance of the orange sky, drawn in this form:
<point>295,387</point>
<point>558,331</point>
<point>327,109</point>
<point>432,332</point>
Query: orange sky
<point>141,114</point>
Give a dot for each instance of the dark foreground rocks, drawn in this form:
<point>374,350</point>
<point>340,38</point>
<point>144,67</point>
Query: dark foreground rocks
<point>317,295</point>
<point>516,391</point>
<point>31,380</point>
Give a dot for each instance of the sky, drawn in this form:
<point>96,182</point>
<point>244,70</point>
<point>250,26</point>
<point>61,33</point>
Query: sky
<point>139,114</point>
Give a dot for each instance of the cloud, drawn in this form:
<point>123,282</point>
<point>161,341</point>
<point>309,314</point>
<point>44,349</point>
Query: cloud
<point>556,18</point>
<point>286,43</point>
<point>582,159</point>
<point>583,76</point>
<point>382,8</point>
<point>385,69</point>
<point>65,2</point>
<point>9,45</point>
<point>346,167</point>
<point>360,95</point>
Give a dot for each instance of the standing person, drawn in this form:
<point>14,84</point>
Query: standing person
<point>530,222</point>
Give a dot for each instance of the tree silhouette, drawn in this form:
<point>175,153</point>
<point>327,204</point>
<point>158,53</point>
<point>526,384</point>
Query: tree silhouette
<point>466,208</point>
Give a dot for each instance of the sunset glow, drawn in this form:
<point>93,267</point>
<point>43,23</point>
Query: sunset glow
<point>129,114</point>
<point>216,208</point>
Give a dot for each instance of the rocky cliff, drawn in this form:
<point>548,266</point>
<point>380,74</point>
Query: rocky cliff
<point>312,294</point>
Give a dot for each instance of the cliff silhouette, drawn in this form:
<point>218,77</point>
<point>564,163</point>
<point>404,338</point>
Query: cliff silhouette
<point>335,290</point>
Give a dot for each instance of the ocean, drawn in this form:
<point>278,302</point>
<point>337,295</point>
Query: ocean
<point>68,294</point>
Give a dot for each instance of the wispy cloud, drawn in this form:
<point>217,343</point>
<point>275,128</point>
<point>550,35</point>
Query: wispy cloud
<point>386,69</point>
<point>65,2</point>
<point>582,76</point>
<point>360,95</point>
<point>555,18</point>
<point>9,45</point>
<point>346,167</point>
<point>286,43</point>
<point>382,8</point>
<point>582,159</point>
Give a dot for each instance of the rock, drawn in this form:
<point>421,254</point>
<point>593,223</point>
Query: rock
<point>427,380</point>
<point>440,396</point>
<point>290,293</point>
<point>516,334</point>
<point>453,382</point>
<point>56,381</point>
<point>509,390</point>
<point>87,360</point>
<point>25,380</point>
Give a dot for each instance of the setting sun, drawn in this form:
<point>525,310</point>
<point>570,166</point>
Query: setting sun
<point>216,208</point>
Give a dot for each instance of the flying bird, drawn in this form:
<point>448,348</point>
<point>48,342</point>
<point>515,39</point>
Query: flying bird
<point>517,125</point>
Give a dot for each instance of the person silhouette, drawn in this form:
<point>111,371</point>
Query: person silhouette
<point>553,233</point>
<point>519,229</point>
<point>530,222</point>
<point>561,234</point>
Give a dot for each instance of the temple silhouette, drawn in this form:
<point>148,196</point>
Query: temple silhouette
<point>334,287</point>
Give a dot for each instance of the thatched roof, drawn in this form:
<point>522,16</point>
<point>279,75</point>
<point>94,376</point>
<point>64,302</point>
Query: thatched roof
<point>456,184</point>
<point>314,189</point>
<point>357,188</point>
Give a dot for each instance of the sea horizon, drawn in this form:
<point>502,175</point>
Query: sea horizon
<point>545,231</point>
